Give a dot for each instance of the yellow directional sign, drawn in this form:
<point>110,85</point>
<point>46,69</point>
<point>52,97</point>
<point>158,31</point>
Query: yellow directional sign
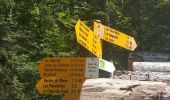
<point>64,85</point>
<point>71,97</point>
<point>66,75</point>
<point>69,67</point>
<point>88,39</point>
<point>114,36</point>
<point>59,67</point>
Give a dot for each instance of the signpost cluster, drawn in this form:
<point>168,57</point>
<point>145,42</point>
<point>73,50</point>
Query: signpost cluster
<point>65,75</point>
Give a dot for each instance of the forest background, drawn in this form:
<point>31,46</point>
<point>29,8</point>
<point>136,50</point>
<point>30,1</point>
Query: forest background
<point>33,29</point>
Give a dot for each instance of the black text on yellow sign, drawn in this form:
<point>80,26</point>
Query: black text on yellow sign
<point>65,75</point>
<point>69,67</point>
<point>114,36</point>
<point>64,85</point>
<point>88,39</point>
<point>59,67</point>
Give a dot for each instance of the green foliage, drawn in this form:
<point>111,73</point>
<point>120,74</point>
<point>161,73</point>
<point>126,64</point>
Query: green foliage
<point>30,30</point>
<point>33,29</point>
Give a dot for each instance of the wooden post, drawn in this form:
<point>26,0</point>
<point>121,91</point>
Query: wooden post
<point>106,56</point>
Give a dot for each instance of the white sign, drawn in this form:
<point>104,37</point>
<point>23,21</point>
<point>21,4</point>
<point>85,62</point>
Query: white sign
<point>92,68</point>
<point>98,29</point>
<point>106,66</point>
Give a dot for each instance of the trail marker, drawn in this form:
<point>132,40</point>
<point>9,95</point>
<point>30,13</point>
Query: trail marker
<point>106,66</point>
<point>69,67</point>
<point>65,75</point>
<point>63,85</point>
<point>59,67</point>
<point>115,37</point>
<point>88,39</point>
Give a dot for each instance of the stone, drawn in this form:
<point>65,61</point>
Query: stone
<point>143,75</point>
<point>152,66</point>
<point>111,89</point>
<point>147,57</point>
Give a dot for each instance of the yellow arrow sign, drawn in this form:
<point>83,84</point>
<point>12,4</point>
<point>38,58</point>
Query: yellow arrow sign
<point>65,75</point>
<point>59,67</point>
<point>115,37</point>
<point>62,85</point>
<point>88,39</point>
<point>69,67</point>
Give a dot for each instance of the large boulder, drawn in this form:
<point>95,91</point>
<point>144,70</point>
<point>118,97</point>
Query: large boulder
<point>118,89</point>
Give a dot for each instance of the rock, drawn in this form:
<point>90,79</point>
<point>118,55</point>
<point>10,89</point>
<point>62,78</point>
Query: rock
<point>143,75</point>
<point>118,89</point>
<point>147,57</point>
<point>152,66</point>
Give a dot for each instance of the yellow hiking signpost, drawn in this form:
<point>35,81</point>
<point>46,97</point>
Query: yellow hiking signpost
<point>66,75</point>
<point>59,67</point>
<point>88,39</point>
<point>62,85</point>
<point>63,75</point>
<point>69,67</point>
<point>115,37</point>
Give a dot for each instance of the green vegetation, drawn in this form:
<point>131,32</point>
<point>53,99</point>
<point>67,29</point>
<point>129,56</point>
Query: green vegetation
<point>33,29</point>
